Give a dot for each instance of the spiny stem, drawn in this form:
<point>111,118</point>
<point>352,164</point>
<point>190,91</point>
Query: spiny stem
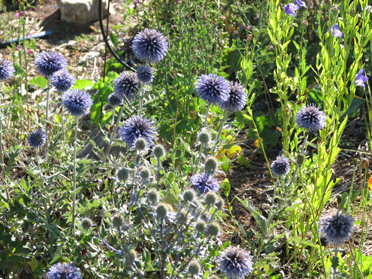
<point>115,130</point>
<point>47,120</point>
<point>220,131</point>
<point>74,178</point>
<point>206,115</point>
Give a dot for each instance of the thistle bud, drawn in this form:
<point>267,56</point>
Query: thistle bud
<point>204,137</point>
<point>86,224</point>
<point>211,164</point>
<point>123,174</point>
<point>145,173</point>
<point>117,220</point>
<point>200,226</point>
<point>161,211</point>
<point>210,198</point>
<point>189,195</point>
<point>194,268</point>
<point>141,144</point>
<point>132,254</point>
<point>213,229</point>
<point>152,195</point>
<point>158,151</point>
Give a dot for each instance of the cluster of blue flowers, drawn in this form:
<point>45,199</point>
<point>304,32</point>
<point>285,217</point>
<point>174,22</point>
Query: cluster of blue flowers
<point>64,271</point>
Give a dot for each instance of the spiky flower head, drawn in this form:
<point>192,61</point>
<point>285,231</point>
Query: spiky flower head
<point>204,183</point>
<point>115,99</point>
<point>213,229</point>
<point>212,88</point>
<point>132,254</point>
<point>189,195</point>
<point>219,203</point>
<point>6,69</point>
<point>210,198</point>
<point>211,164</point>
<point>123,174</point>
<point>280,166</point>
<point>117,220</point>
<point>204,136</point>
<point>48,63</point>
<point>64,271</point>
<point>182,217</point>
<point>145,173</point>
<point>62,80</point>
<point>194,268</point>
<point>140,144</point>
<point>158,151</point>
<point>200,226</point>
<point>235,263</point>
<point>150,46</point>
<point>237,98</point>
<point>126,84</point>
<point>37,139</point>
<point>153,195</point>
<point>161,211</point>
<point>311,118</point>
<point>145,74</point>
<point>336,228</point>
<point>138,126</point>
<point>86,224</point>
<point>77,102</point>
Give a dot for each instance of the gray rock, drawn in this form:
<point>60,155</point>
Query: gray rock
<point>82,11</point>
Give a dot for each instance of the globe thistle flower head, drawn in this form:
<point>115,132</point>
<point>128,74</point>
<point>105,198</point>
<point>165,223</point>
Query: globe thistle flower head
<point>138,126</point>
<point>48,63</point>
<point>235,263</point>
<point>145,74</point>
<point>115,99</point>
<point>6,69</point>
<point>212,88</point>
<point>126,84</point>
<point>336,228</point>
<point>311,118</point>
<point>204,136</point>
<point>204,183</point>
<point>158,151</point>
<point>280,166</point>
<point>86,224</point>
<point>77,102</point>
<point>62,80</point>
<point>237,98</point>
<point>150,46</point>
<point>37,139</point>
<point>64,271</point>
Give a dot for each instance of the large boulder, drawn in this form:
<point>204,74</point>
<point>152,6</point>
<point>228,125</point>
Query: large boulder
<point>81,11</point>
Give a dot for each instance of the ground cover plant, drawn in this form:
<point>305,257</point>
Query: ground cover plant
<point>134,173</point>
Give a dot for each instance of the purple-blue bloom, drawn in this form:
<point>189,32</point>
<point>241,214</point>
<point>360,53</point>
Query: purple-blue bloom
<point>138,126</point>
<point>150,46</point>
<point>145,74</point>
<point>360,79</point>
<point>311,118</point>
<point>48,63</point>
<point>300,3</point>
<point>336,32</point>
<point>115,99</point>
<point>126,84</point>
<point>212,88</point>
<point>64,271</point>
<point>204,183</point>
<point>280,166</point>
<point>37,139</point>
<point>336,228</point>
<point>6,69</point>
<point>62,80</point>
<point>235,263</point>
<point>290,8</point>
<point>237,98</point>
<point>77,102</point>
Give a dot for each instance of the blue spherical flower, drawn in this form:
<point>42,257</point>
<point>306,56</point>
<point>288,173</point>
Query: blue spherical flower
<point>138,126</point>
<point>126,84</point>
<point>237,98</point>
<point>280,166</point>
<point>37,139</point>
<point>311,118</point>
<point>6,69</point>
<point>77,102</point>
<point>204,183</point>
<point>213,89</point>
<point>115,99</point>
<point>64,271</point>
<point>48,63</point>
<point>62,80</point>
<point>336,228</point>
<point>150,46</point>
<point>235,263</point>
<point>145,74</point>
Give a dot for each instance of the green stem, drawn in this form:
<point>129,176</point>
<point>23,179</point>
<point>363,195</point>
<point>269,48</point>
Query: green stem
<point>47,120</point>
<point>220,131</point>
<point>74,178</point>
<point>206,116</point>
<point>115,131</point>
<point>63,123</point>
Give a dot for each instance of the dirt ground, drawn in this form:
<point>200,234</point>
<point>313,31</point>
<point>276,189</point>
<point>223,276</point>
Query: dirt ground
<point>84,46</point>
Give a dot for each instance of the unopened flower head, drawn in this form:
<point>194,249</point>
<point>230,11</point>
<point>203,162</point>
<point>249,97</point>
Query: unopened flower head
<point>145,173</point>
<point>237,98</point>
<point>77,102</point>
<point>194,268</point>
<point>212,88</point>
<point>126,84</point>
<point>336,228</point>
<point>138,126</point>
<point>115,99</point>
<point>158,151</point>
<point>200,226</point>
<point>150,46</point>
<point>189,195</point>
<point>123,174</point>
<point>153,195</point>
<point>86,224</point>
<point>210,198</point>
<point>280,166</point>
<point>204,136</point>
<point>211,164</point>
<point>235,263</point>
<point>311,118</point>
<point>140,144</point>
<point>204,183</point>
<point>213,229</point>
<point>290,9</point>
<point>336,32</point>
<point>48,63</point>
<point>63,271</point>
<point>360,80</point>
<point>161,211</point>
<point>37,139</point>
<point>145,74</point>
<point>117,220</point>
<point>62,80</point>
<point>7,69</point>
